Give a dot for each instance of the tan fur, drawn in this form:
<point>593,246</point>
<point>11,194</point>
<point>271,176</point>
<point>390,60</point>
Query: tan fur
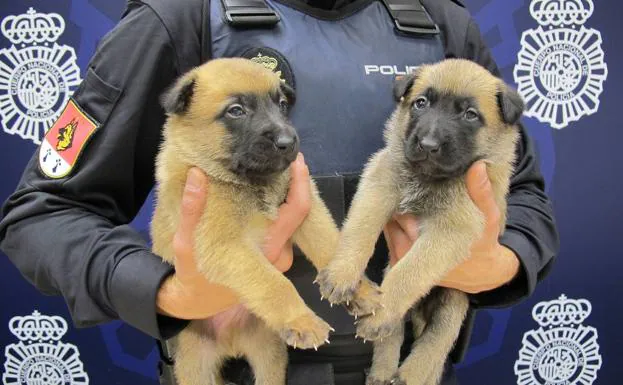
<point>449,223</point>
<point>229,237</point>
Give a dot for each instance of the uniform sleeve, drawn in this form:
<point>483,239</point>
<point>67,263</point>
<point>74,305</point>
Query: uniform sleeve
<point>70,236</point>
<point>531,231</point>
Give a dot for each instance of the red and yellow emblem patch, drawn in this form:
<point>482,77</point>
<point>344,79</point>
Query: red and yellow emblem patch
<point>65,140</point>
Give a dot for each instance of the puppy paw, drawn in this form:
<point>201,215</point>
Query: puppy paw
<point>306,332</point>
<point>336,287</point>
<point>377,326</point>
<point>376,381</point>
<point>427,372</point>
<point>396,380</point>
<point>367,299</point>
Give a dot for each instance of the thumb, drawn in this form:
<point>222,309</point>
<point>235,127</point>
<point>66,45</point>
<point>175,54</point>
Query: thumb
<point>481,192</point>
<point>193,202</point>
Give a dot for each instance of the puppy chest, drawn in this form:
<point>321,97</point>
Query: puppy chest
<point>425,200</point>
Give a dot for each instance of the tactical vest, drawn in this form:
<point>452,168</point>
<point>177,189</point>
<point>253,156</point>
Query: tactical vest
<point>342,68</point>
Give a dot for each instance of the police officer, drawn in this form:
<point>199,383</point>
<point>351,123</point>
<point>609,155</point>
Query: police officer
<point>341,57</point>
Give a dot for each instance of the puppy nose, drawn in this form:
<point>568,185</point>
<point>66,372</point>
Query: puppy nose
<point>285,142</point>
<point>430,145</point>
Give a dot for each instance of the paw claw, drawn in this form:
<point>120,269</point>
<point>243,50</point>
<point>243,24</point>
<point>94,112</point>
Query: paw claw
<point>377,327</point>
<point>367,299</point>
<point>396,380</point>
<point>336,291</point>
<point>305,332</point>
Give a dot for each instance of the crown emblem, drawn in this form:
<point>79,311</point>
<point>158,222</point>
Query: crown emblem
<point>37,327</point>
<point>33,27</point>
<point>266,61</point>
<point>269,62</point>
<point>561,312</point>
<point>557,13</point>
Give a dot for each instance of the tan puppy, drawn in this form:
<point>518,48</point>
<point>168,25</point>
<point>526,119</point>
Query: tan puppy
<point>229,117</point>
<point>449,115</point>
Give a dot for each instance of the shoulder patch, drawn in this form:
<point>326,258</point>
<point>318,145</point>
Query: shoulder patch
<point>273,60</point>
<point>63,143</point>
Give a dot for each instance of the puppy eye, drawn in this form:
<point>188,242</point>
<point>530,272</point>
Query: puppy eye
<point>283,105</point>
<point>471,114</point>
<point>420,102</point>
<point>235,111</point>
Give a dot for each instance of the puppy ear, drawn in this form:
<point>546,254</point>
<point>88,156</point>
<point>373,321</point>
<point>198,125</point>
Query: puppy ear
<point>402,85</point>
<point>511,105</point>
<point>177,99</point>
<point>289,93</point>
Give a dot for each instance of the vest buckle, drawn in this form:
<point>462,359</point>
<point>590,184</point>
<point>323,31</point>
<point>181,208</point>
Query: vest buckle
<point>249,13</point>
<point>411,17</point>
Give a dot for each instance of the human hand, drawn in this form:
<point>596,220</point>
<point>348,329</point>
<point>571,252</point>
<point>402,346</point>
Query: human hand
<point>187,294</point>
<point>278,246</point>
<point>490,264</point>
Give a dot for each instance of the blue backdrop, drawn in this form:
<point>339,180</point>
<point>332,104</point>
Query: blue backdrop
<point>562,56</point>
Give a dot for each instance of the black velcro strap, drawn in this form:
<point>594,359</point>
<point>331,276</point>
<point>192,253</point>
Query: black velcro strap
<point>411,17</point>
<point>249,13</point>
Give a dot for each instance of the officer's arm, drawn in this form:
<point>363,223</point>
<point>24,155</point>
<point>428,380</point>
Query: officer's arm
<point>531,230</point>
<point>70,236</point>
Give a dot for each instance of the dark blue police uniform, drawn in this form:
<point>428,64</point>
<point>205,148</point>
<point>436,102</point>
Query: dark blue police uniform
<point>341,57</point>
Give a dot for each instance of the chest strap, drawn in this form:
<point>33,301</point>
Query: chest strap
<point>409,16</point>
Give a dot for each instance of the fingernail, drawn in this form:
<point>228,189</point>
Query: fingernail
<point>481,168</point>
<point>412,229</point>
<point>194,181</point>
<point>481,174</point>
<point>297,162</point>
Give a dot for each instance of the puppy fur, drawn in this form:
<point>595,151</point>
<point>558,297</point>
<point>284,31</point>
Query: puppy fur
<point>449,115</point>
<point>229,118</point>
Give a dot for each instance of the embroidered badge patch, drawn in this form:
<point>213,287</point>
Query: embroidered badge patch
<point>65,140</point>
<point>274,61</point>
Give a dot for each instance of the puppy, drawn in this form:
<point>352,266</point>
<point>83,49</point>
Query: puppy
<point>449,115</point>
<point>229,117</point>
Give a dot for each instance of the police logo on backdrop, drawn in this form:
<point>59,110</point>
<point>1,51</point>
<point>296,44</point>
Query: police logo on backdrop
<point>274,61</point>
<point>561,71</point>
<point>65,140</point>
<point>562,350</point>
<point>40,358</point>
<point>37,76</point>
